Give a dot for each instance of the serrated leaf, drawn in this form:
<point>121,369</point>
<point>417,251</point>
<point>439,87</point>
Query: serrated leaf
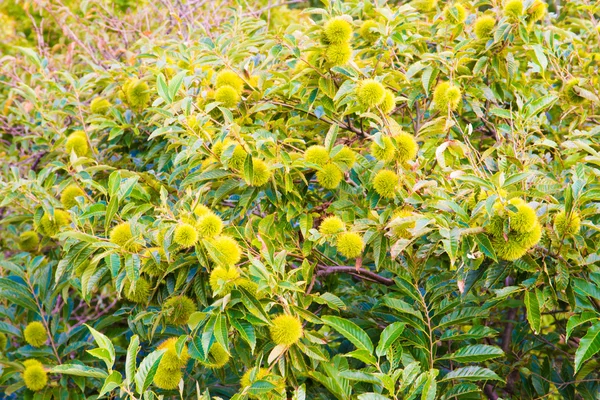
<point>533,310</point>
<point>540,56</point>
<point>147,370</point>
<point>362,355</point>
<point>104,342</point>
<point>175,84</point>
<point>78,370</point>
<point>475,353</point>
<point>360,376</point>
<point>313,352</point>
<point>372,396</point>
<point>275,353</point>
<point>484,244</point>
<point>476,180</point>
<point>540,104</point>
<point>246,331</point>
<point>254,306</point>
<point>9,329</point>
<point>472,374</point>
<point>350,331</point>
<point>111,383</point>
<point>260,387</point>
<point>588,346</point>
<point>430,387</point>
<point>580,319</point>
<point>162,88</point>
<point>388,337</point>
<point>331,137</point>
<point>130,360</point>
<point>333,301</point>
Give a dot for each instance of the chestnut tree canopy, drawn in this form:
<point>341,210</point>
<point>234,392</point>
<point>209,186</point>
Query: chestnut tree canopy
<point>361,199</point>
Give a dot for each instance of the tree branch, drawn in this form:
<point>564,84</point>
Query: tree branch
<point>490,392</point>
<point>359,273</point>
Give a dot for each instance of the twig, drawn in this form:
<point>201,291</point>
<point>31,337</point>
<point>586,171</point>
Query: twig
<point>489,391</point>
<point>359,273</point>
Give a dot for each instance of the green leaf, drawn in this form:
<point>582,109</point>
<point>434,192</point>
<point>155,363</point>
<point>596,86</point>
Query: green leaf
<point>328,88</point>
<point>587,288</point>
<point>275,353</point>
<point>540,56</point>
<point>516,178</point>
<point>147,370</point>
<point>127,186</point>
<point>84,237</point>
<point>114,181</point>
<point>430,387</point>
<point>111,211</point>
<point>349,72</point>
<point>484,244</point>
<point>78,370</point>
<point>175,84</point>
<point>480,65</point>
<point>104,343</point>
<point>162,88</point>
<point>332,301</point>
<point>426,78</point>
<point>306,223</point>
<point>388,337</point>
<point>406,311</point>
<point>350,331</point>
<point>533,310</point>
<point>246,331</point>
<point>502,113</point>
<point>313,352</point>
<point>248,169</point>
<point>539,105</point>
<point>475,353</point>
<point>196,349</point>
<point>9,329</point>
<point>111,383</point>
<point>130,361</point>
<point>372,396</point>
<point>468,390</point>
<point>472,374</point>
<point>580,319</point>
<point>360,376</point>
<point>254,306</point>
<point>17,293</point>
<point>588,345</point>
<point>31,56</point>
<point>227,115</point>
<point>221,331</point>
<point>477,181</point>
<point>300,393</point>
<point>260,387</point>
<point>362,355</point>
<point>331,137</point>
<point>461,316</point>
<point>451,242</point>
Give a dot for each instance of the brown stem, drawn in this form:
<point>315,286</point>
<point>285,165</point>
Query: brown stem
<point>359,273</point>
<point>510,317</point>
<point>507,333</point>
<point>489,391</point>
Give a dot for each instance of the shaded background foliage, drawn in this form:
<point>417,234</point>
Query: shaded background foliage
<point>428,310</point>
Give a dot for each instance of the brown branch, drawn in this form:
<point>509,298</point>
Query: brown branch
<point>329,121</point>
<point>510,317</point>
<point>490,392</point>
<point>359,273</point>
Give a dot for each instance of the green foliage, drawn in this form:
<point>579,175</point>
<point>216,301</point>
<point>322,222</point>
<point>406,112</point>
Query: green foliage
<point>353,200</point>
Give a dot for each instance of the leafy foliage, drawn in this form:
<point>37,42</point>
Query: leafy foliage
<point>352,200</point>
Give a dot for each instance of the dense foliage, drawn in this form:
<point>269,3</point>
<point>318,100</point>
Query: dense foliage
<point>352,200</point>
